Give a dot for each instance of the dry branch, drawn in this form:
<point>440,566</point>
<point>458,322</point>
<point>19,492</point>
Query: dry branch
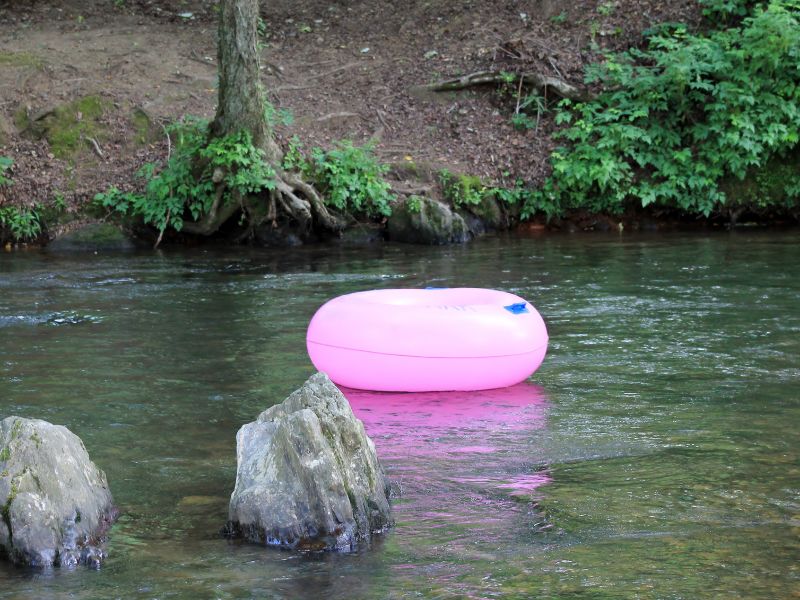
<point>543,83</point>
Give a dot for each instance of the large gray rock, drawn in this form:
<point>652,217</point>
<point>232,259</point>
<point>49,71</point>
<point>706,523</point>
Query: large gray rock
<point>54,502</point>
<point>426,221</point>
<point>308,477</point>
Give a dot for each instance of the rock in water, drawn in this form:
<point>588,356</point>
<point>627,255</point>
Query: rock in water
<point>55,503</point>
<point>430,222</point>
<point>308,476</point>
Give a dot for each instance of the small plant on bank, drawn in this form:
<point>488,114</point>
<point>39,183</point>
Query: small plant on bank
<point>414,204</point>
<point>523,117</point>
<point>294,159</point>
<point>462,190</point>
<point>351,179</point>
<point>20,223</point>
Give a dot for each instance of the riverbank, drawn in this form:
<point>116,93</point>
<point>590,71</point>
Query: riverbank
<point>89,88</point>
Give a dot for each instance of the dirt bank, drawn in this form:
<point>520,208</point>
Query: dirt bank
<point>350,69</point>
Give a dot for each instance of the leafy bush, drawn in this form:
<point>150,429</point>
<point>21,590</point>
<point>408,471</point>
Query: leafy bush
<point>726,10</point>
<point>21,223</point>
<point>522,117</point>
<point>680,116</point>
<point>350,179</point>
<point>179,190</point>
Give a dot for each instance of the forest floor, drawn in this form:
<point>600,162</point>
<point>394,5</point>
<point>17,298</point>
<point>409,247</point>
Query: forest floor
<point>116,71</point>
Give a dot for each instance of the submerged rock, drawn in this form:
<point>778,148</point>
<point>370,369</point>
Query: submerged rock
<point>54,502</point>
<point>308,477</point>
<point>93,237</point>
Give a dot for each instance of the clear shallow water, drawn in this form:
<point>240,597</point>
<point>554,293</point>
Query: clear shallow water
<point>654,454</point>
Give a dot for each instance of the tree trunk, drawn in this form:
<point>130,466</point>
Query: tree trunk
<point>241,96</point>
<point>242,103</point>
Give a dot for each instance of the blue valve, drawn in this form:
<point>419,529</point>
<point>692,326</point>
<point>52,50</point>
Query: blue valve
<point>517,309</point>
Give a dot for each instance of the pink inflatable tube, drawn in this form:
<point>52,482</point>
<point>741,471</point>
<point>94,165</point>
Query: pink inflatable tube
<point>424,340</point>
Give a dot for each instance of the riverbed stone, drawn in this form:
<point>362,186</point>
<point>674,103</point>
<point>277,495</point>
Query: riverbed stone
<point>308,476</point>
<point>55,503</point>
<point>485,216</point>
<point>93,237</point>
<point>422,220</point>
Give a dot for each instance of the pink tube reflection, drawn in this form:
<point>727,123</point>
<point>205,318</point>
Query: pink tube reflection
<point>476,437</point>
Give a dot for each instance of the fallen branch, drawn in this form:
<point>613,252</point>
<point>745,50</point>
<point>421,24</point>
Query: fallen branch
<point>169,142</point>
<point>543,83</point>
<point>327,73</point>
<point>96,147</point>
<point>337,115</point>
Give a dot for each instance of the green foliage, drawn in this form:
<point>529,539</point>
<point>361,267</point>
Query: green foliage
<point>605,9</point>
<point>21,59</point>
<point>468,191</point>
<point>508,77</point>
<point>414,203</point>
<point>21,223</point>
<point>276,116</point>
<point>182,188</point>
<point>349,177</point>
<point>532,103</point>
<point>5,165</point>
<point>59,202</point>
<point>462,190</point>
<point>261,28</point>
<point>294,159</point>
<point>725,10</point>
<point>680,117</point>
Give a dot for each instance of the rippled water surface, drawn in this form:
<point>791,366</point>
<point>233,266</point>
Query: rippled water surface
<point>654,454</point>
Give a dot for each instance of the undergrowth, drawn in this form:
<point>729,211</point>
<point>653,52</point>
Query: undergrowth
<point>185,187</point>
<point>350,177</point>
<point>16,223</point>
<point>682,115</point>
<point>468,191</point>
<point>179,190</point>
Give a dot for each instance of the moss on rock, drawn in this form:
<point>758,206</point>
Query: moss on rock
<point>146,131</point>
<point>94,237</point>
<point>68,128</point>
<point>21,60</point>
<point>427,221</point>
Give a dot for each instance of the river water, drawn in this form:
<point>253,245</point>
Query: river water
<point>653,455</point>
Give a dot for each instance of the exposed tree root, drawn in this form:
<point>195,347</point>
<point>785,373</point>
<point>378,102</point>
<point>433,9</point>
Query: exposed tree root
<point>292,197</point>
<point>542,83</point>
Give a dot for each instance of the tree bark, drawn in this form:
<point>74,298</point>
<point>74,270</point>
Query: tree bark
<point>242,103</point>
<point>241,96</point>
